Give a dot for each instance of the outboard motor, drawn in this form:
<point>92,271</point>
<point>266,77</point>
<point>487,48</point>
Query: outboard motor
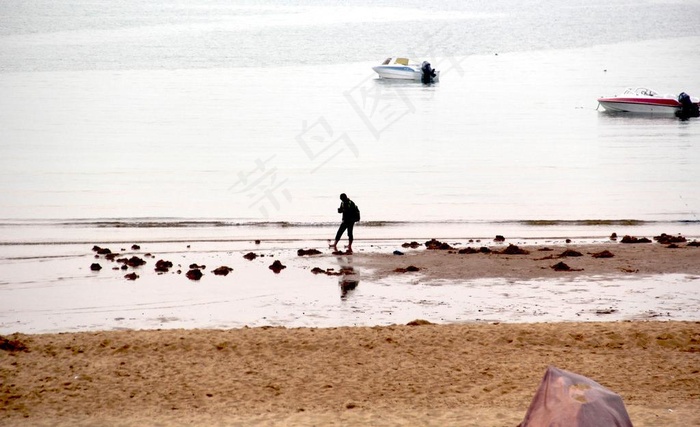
<point>428,72</point>
<point>688,108</point>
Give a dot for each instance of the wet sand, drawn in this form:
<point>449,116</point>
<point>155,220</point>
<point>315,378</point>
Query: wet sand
<point>465,261</point>
<point>51,288</point>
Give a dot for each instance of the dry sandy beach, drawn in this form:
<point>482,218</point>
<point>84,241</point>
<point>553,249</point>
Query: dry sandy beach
<point>423,374</point>
<point>474,375</point>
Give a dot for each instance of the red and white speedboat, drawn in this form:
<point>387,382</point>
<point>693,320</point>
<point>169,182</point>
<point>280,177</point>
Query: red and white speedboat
<point>645,100</point>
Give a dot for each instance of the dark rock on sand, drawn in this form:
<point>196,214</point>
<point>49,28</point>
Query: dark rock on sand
<point>131,276</point>
<point>603,254</point>
<point>101,250</point>
<point>135,261</point>
<point>222,271</point>
<point>570,252</point>
<point>665,239</point>
<point>437,245</point>
<point>135,247</point>
<point>163,266</point>
<point>198,267</point>
<point>111,257</point>
<point>694,243</point>
<point>484,250</point>
<point>468,251</point>
<point>433,244</point>
<point>277,266</point>
<point>95,267</point>
<point>305,252</point>
<point>194,274</point>
<point>631,239</point>
<point>250,256</point>
<point>513,250</point>
<point>397,252</point>
<point>613,236</point>
<point>560,266</point>
<point>411,245</point>
<point>499,238</point>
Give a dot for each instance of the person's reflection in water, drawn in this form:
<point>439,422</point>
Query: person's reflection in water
<point>349,278</point>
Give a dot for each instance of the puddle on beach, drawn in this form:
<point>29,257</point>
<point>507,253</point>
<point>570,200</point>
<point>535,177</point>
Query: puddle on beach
<point>54,290</point>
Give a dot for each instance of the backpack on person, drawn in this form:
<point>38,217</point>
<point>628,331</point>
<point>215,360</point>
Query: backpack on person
<point>355,212</point>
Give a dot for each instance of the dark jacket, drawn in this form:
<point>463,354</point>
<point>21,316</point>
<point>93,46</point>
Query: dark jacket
<point>350,211</point>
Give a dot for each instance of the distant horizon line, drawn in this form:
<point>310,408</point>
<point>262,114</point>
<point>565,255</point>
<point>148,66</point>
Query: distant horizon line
<point>175,222</point>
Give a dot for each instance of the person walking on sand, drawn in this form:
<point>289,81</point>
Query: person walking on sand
<point>351,214</point>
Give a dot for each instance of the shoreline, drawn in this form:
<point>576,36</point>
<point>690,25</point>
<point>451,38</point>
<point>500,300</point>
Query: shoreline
<point>54,289</point>
<point>474,375</point>
<point>193,230</point>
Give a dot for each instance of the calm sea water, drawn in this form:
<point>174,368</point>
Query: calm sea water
<point>170,115</point>
<point>194,127</point>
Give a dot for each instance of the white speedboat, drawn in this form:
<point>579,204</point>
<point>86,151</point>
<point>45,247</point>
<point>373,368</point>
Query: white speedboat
<point>645,100</point>
<point>404,69</point>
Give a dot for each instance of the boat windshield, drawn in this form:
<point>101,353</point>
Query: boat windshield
<point>386,61</point>
<point>641,91</point>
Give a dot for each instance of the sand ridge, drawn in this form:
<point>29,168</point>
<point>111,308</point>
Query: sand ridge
<point>537,262</point>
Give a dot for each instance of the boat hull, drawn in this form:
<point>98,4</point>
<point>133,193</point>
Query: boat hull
<point>401,73</point>
<point>663,106</point>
